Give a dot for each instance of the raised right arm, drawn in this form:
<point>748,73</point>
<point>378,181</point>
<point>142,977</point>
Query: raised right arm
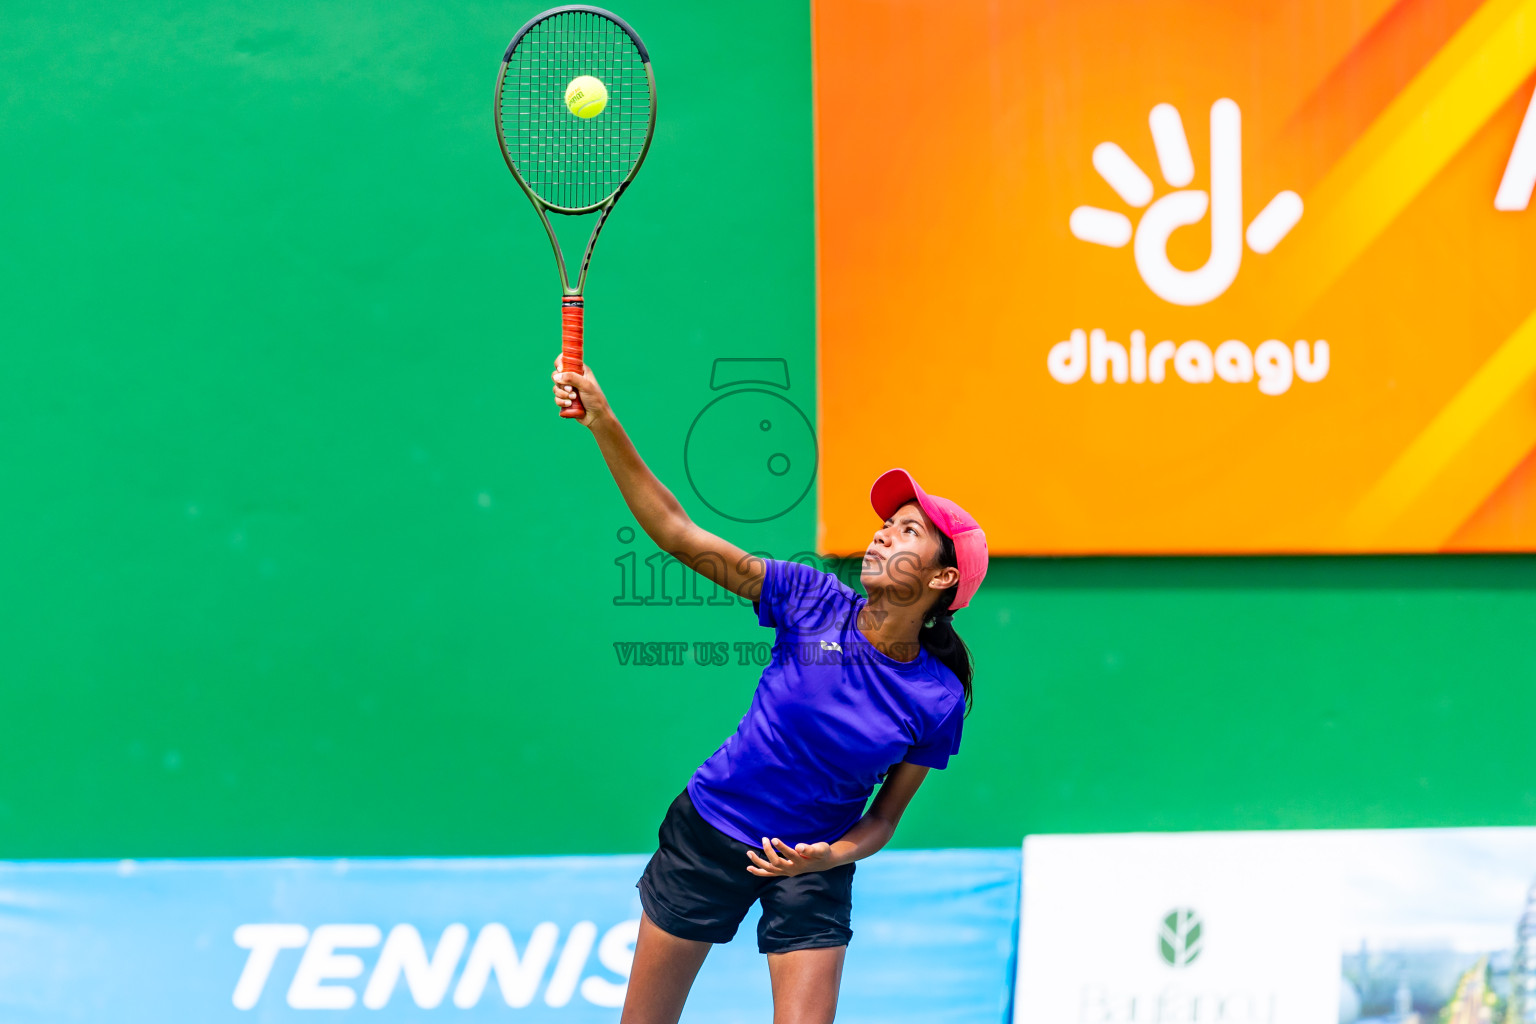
<point>655,508</point>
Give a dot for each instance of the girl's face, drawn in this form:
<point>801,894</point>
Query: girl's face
<point>902,560</point>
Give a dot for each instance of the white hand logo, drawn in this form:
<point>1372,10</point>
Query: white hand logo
<point>1520,173</point>
<point>1184,207</point>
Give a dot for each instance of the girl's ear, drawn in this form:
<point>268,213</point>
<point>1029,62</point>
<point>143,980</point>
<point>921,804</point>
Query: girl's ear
<point>947,577</point>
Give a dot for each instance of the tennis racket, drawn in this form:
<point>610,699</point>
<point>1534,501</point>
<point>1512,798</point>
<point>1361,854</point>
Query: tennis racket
<point>567,164</point>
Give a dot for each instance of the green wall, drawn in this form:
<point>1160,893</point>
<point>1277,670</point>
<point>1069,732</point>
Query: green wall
<point>298,559</point>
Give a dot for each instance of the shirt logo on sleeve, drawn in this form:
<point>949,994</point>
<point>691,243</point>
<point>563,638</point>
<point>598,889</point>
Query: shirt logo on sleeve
<point>831,645</point>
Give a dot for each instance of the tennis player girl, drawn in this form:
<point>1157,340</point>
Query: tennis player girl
<point>859,693</point>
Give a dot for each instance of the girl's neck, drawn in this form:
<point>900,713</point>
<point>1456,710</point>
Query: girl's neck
<point>891,627</point>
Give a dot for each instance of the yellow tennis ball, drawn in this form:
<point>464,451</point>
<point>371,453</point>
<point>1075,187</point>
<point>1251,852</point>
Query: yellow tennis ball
<point>586,96</point>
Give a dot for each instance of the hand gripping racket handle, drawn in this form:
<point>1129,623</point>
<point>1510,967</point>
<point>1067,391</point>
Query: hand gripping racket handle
<point>570,349</point>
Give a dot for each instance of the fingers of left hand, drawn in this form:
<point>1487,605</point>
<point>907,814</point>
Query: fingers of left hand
<point>759,866</point>
<point>778,853</point>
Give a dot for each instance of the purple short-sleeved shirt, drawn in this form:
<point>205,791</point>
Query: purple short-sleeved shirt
<point>830,716</point>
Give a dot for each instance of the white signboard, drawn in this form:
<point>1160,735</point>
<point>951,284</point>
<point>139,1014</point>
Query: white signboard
<point>1412,926</point>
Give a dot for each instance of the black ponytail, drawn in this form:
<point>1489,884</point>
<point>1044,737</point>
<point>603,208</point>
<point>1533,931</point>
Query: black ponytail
<point>940,639</point>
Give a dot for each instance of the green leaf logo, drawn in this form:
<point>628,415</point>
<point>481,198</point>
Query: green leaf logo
<point>1179,937</point>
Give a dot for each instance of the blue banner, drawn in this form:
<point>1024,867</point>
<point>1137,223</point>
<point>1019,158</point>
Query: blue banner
<point>538,939</point>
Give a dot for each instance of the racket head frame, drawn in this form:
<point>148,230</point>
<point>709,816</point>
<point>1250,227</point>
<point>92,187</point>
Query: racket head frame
<point>603,206</point>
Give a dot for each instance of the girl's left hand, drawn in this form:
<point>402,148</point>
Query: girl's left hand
<point>780,861</point>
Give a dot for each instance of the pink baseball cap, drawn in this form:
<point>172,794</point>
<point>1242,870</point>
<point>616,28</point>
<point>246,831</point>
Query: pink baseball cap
<point>896,487</point>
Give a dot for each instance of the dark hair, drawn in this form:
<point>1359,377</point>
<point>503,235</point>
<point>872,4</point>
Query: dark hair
<point>940,639</point>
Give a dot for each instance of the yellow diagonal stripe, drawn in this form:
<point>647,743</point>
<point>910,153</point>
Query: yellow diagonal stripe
<point>1403,150</point>
<point>1450,468</point>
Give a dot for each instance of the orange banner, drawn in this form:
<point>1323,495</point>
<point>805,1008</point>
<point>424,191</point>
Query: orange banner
<point>1181,277</point>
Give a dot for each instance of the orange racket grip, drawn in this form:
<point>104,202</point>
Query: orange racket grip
<point>570,349</point>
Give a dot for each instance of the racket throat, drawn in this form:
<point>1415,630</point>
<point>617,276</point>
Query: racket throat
<point>572,226</point>
<point>597,229</point>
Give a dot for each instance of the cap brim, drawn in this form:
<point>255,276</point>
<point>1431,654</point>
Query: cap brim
<point>894,489</point>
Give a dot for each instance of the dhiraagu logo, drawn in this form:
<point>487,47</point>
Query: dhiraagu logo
<point>1185,206</point>
<point>1273,364</point>
<point>1179,938</point>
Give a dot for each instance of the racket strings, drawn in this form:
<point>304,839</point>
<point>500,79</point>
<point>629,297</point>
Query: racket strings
<point>566,160</point>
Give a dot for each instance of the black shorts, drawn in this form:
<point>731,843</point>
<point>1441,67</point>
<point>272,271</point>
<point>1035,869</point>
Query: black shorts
<point>697,886</point>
